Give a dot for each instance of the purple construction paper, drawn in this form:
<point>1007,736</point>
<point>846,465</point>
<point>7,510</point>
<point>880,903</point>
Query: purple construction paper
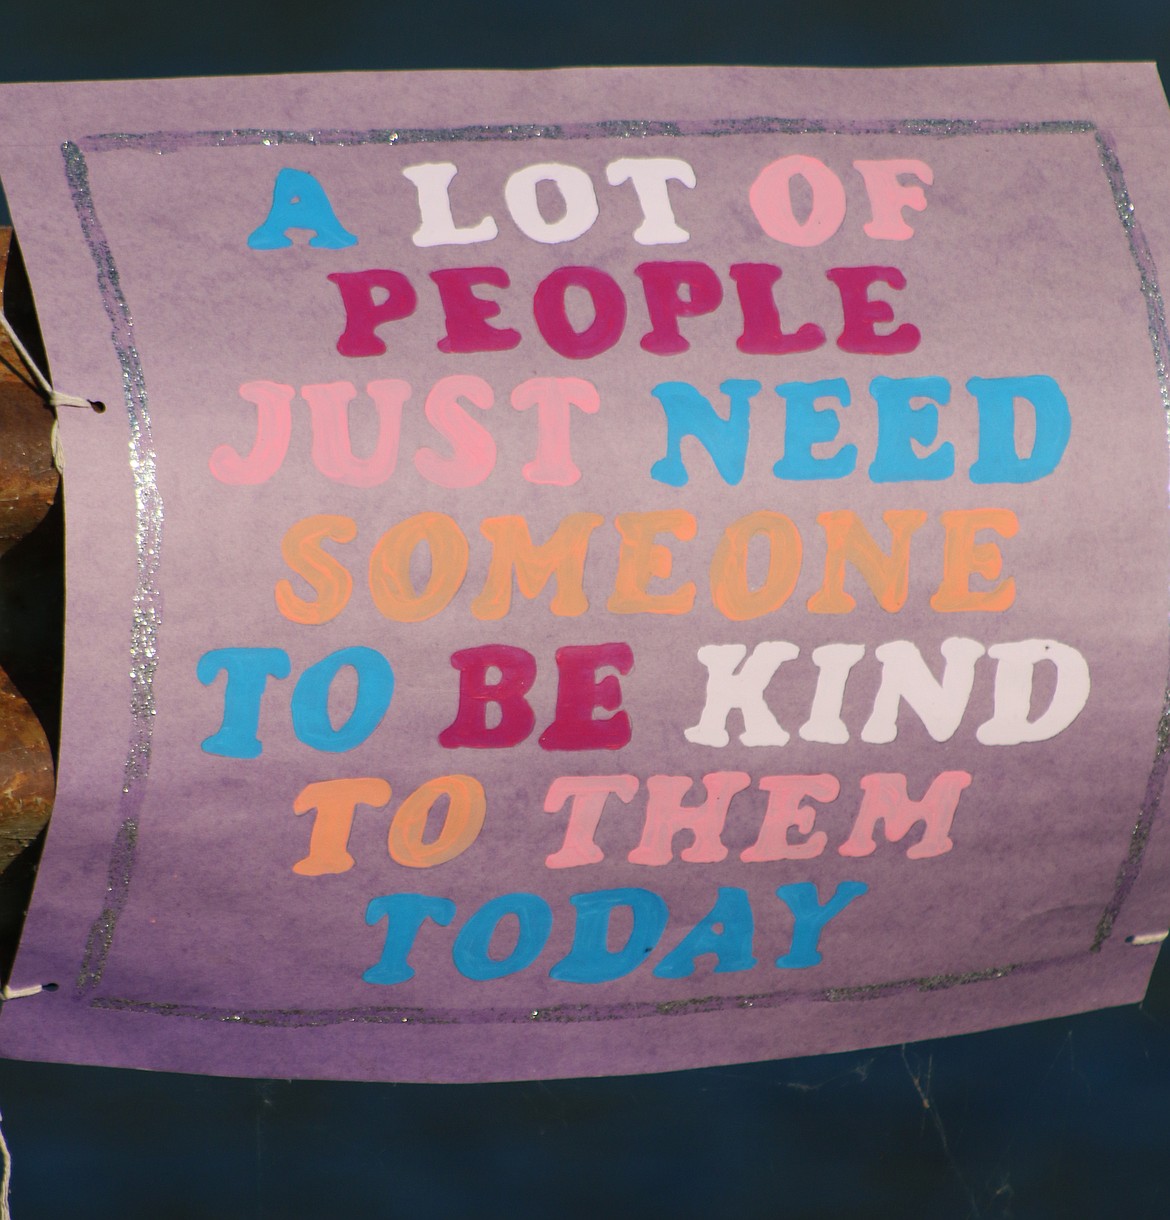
<point>588,295</point>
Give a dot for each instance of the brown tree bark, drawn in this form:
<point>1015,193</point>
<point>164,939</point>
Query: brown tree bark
<point>28,487</point>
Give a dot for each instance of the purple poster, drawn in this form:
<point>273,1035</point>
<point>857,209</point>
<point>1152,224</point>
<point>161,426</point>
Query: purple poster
<point>602,571</point>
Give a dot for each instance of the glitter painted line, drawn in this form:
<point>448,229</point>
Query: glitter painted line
<point>101,933</point>
<point>243,137</point>
<point>1143,259</point>
<point>147,604</point>
<point>560,1014</point>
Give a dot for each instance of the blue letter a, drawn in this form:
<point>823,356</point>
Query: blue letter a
<point>299,202</point>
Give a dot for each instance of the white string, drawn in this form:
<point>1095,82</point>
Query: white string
<point>55,398</point>
<point>18,993</point>
<point>5,1176</point>
<point>57,448</point>
<point>1148,938</point>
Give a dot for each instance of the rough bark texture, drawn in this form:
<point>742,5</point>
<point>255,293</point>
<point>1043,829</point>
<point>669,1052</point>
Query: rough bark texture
<point>28,479</point>
<point>28,488</point>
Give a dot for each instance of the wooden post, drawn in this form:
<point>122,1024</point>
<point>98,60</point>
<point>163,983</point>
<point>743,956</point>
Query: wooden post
<point>28,486</point>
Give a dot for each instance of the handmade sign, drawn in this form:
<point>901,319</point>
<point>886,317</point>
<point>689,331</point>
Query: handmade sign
<point>599,572</point>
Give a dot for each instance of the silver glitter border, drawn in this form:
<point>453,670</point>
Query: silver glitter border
<point>147,604</point>
<point>146,616</point>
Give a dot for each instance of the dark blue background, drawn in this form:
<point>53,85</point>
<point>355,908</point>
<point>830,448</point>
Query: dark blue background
<point>1062,1119</point>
